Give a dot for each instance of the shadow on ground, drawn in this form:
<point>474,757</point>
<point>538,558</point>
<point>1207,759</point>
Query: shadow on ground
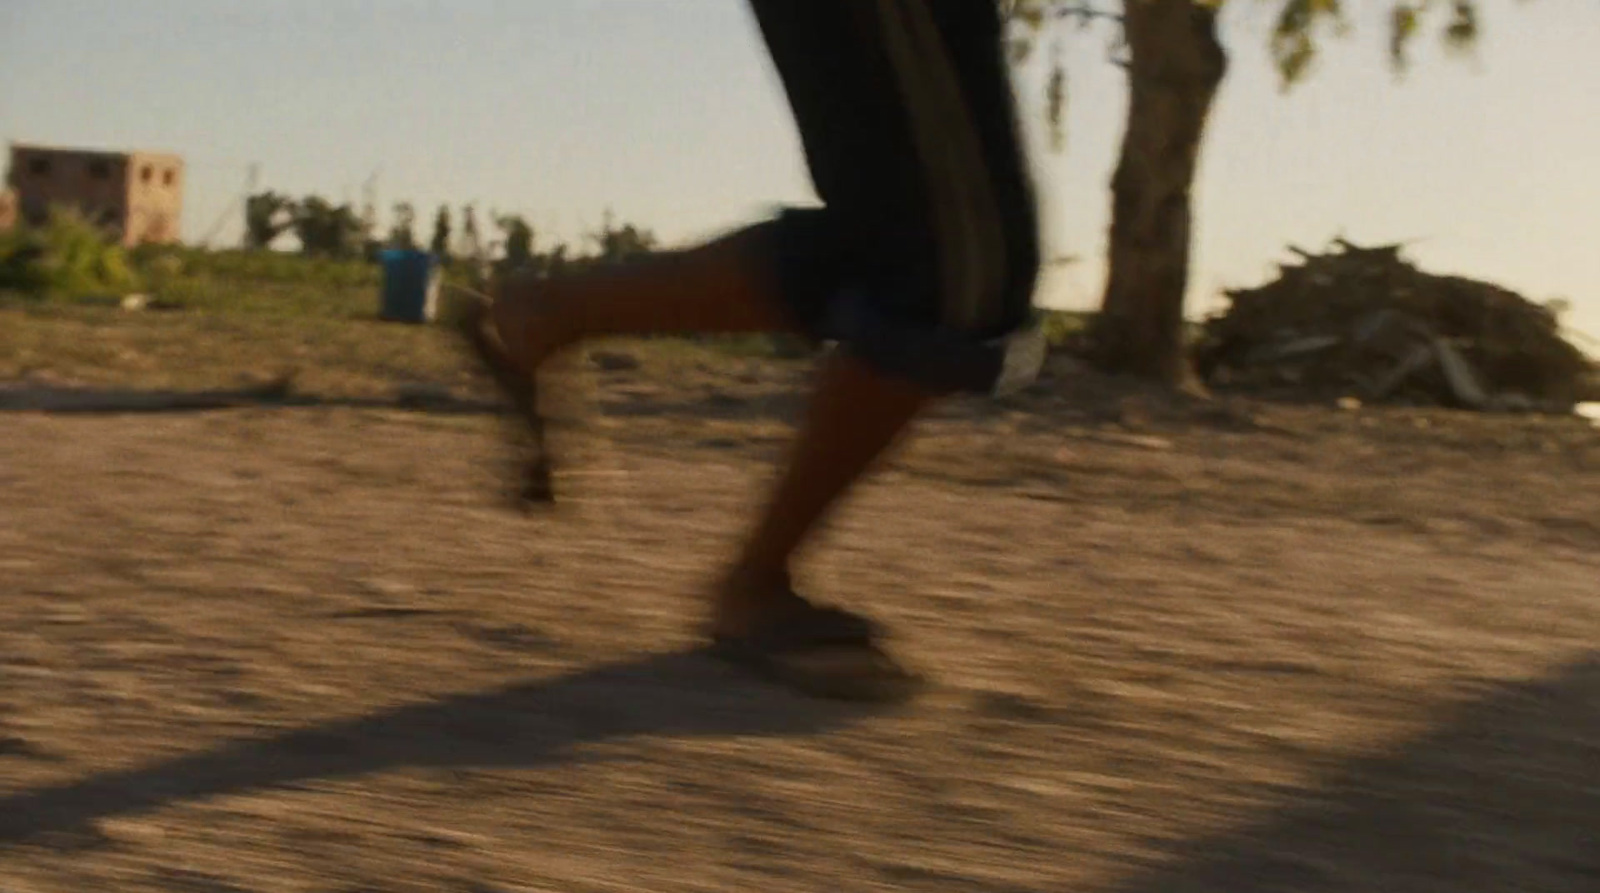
<point>113,401</point>
<point>529,724</point>
<point>712,406</point>
<point>1085,399</point>
<point>1505,796</point>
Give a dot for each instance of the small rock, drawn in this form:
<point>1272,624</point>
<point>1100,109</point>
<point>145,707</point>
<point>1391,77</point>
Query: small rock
<point>1349,404</point>
<point>388,587</point>
<point>66,614</point>
<point>1142,441</point>
<point>1148,442</point>
<point>135,302</point>
<point>129,830</point>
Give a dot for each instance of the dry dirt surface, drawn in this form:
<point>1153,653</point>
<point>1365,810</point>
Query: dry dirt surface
<point>303,646</point>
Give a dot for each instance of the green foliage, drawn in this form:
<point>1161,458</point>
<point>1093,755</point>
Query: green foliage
<point>267,215</point>
<point>333,275</point>
<point>402,233</point>
<point>1029,20</point>
<point>611,244</point>
<point>471,239</point>
<point>1459,32</point>
<point>616,243</point>
<point>323,228</point>
<point>1300,28</point>
<point>68,257</point>
<point>1061,327</point>
<point>439,245</point>
<point>1302,24</point>
<point>176,262</point>
<point>278,284</point>
<point>518,240</point>
<point>1297,32</point>
<point>326,229</point>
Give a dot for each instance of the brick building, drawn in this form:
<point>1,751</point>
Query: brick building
<point>137,195</point>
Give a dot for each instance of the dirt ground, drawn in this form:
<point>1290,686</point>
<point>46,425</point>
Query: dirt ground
<point>1231,647</point>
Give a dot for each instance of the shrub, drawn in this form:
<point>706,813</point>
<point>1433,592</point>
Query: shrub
<point>67,256</point>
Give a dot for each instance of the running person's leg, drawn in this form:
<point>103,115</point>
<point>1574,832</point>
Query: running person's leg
<point>924,251</point>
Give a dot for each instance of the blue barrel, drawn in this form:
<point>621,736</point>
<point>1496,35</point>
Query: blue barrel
<point>410,286</point>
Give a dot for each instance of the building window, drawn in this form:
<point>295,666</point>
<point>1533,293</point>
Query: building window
<point>168,176</point>
<point>145,174</point>
<point>99,169</point>
<point>39,167</point>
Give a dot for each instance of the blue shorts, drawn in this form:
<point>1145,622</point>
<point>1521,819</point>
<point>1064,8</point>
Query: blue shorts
<point>924,255</point>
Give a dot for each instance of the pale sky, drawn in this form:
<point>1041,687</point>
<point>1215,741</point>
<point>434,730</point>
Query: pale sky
<point>667,111</point>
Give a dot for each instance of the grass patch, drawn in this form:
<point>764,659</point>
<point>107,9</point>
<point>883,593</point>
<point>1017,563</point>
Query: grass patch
<point>252,314</point>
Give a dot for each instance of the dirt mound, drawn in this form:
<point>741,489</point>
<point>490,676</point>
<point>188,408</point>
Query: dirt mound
<point>1364,322</point>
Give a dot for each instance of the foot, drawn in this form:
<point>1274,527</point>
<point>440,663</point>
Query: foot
<point>765,627</point>
<point>748,602</point>
<point>478,324</point>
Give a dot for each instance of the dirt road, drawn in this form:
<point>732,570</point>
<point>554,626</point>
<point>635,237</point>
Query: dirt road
<point>306,649</point>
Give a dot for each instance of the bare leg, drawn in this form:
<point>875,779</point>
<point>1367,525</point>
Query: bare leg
<point>721,287</point>
<point>855,416</point>
<point>724,286</point>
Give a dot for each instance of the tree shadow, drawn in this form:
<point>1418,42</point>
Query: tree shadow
<point>120,401</point>
<point>523,725</point>
<point>1085,399</point>
<point>1504,796</point>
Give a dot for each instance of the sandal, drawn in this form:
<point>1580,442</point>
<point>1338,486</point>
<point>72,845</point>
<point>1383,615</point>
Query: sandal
<point>820,651</point>
<point>477,330</point>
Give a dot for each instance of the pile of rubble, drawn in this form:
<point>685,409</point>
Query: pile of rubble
<point>1363,322</point>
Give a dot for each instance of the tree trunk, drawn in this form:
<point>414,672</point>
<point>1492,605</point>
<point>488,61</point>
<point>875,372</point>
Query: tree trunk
<point>1175,65</point>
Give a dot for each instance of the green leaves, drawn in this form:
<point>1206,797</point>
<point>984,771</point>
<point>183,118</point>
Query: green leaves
<point>267,215</point>
<point>439,244</point>
<point>1460,31</point>
<point>1402,27</point>
<point>1297,33</point>
<point>518,239</point>
<point>1300,28</point>
<point>67,256</point>
<point>1029,20</point>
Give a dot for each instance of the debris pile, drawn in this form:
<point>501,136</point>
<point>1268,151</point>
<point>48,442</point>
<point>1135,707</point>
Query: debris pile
<point>1363,322</point>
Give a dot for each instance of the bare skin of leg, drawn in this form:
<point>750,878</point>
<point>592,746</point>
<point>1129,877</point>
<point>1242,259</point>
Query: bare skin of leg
<point>720,287</point>
<point>725,287</point>
<point>854,417</point>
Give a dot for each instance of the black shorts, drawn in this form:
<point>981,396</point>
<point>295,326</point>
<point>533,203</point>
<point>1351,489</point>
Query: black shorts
<point>924,256</point>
